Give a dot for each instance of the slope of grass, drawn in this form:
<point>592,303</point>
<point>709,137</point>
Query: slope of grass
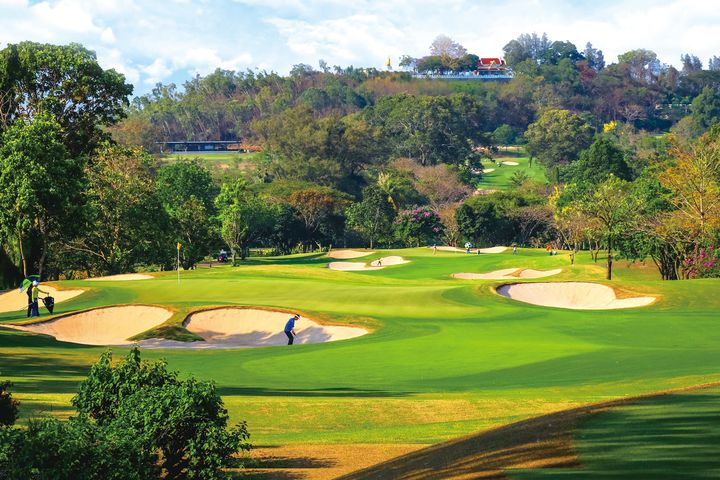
<point>446,357</point>
<point>221,164</point>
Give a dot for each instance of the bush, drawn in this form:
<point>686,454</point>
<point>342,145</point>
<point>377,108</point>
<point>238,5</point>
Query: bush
<point>8,405</point>
<point>136,420</point>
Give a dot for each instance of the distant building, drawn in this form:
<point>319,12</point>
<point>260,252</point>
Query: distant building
<point>488,68</point>
<point>207,146</point>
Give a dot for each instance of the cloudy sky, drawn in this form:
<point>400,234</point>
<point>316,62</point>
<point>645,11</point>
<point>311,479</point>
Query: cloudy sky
<point>154,41</point>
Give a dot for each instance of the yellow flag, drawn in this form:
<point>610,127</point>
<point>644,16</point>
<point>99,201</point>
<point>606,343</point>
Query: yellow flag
<point>179,246</point>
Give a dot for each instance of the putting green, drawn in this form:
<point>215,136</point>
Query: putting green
<point>445,358</point>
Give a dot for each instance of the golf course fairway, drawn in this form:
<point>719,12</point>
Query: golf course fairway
<point>444,358</point>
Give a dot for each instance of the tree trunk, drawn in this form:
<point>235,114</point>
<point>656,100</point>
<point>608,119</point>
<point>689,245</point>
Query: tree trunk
<point>22,255</point>
<point>371,243</point>
<point>609,259</point>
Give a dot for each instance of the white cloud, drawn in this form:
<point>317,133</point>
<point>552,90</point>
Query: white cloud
<point>153,41</point>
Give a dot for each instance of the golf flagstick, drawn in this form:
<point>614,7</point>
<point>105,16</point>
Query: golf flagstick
<point>178,262</point>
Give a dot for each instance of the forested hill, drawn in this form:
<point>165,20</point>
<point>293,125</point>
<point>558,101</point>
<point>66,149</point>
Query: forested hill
<point>637,88</point>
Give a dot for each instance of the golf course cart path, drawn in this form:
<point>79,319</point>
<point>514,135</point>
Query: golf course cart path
<point>508,274</point>
<point>122,277</point>
<point>14,300</point>
<point>573,295</point>
<point>347,254</point>
<point>101,326</point>
<point>250,327</point>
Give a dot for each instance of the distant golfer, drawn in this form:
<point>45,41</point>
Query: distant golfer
<point>290,328</point>
<point>29,292</point>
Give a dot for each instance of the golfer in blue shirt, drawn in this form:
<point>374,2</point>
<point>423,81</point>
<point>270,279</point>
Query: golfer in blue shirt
<point>290,328</point>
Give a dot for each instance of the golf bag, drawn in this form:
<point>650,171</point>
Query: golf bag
<point>49,303</point>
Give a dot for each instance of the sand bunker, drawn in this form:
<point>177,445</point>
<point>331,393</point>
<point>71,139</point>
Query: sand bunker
<point>508,274</point>
<point>510,163</point>
<point>345,254</point>
<point>473,250</point>
<point>122,277</point>
<point>374,265</point>
<point>574,295</point>
<point>102,326</point>
<point>488,170</point>
<point>245,327</point>
<point>388,261</point>
<point>350,266</point>
<point>15,301</point>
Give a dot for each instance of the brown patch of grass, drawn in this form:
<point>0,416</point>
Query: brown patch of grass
<point>317,462</point>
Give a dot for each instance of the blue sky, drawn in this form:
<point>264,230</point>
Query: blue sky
<point>173,40</point>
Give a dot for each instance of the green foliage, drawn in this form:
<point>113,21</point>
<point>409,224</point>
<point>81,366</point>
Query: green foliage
<point>373,216</point>
<point>39,188</point>
<point>598,162</point>
<point>558,137</point>
<point>706,108</point>
<point>8,405</point>
<point>180,422</point>
<point>123,220</point>
<point>66,83</point>
<point>419,226</point>
<point>187,191</point>
<point>244,217</point>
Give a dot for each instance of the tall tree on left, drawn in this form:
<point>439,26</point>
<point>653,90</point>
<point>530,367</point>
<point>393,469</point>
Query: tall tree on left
<point>40,188</point>
<point>66,82</point>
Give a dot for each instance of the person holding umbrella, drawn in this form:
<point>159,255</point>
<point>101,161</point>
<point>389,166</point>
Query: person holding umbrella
<point>35,293</point>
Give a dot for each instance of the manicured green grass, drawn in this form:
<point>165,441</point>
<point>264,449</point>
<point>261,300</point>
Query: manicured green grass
<point>669,437</point>
<point>500,178</point>
<point>447,357</point>
<point>221,165</point>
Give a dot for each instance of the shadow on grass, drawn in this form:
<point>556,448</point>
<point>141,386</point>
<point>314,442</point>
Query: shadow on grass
<point>319,392</point>
<point>42,373</point>
<point>667,436</point>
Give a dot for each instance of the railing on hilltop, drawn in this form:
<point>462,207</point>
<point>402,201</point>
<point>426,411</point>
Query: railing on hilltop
<point>506,75</point>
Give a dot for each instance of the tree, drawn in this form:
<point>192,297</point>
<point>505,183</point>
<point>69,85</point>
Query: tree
<point>526,47</point>
<point>706,108</point>
<point>39,189</point>
<point>8,406</point>
<point>123,221</point>
<point>65,82</point>
<point>449,51</point>
<point>182,422</point>
<point>594,57</point>
<point>613,209</point>
<point>320,211</point>
<point>602,159</point>
<point>244,217</point>
<point>690,63</point>
<point>187,192</point>
<point>558,137</point>
<point>418,226</point>
<point>373,216</point>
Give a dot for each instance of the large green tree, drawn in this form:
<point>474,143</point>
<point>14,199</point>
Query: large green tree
<point>244,217</point>
<point>39,189</point>
<point>123,222</point>
<point>557,137</point>
<point>373,216</point>
<point>187,192</point>
<point>64,81</point>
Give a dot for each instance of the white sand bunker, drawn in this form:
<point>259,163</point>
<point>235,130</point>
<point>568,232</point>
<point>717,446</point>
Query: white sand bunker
<point>102,326</point>
<point>374,265</point>
<point>508,274</point>
<point>14,300</point>
<point>388,261</point>
<point>488,170</point>
<point>510,163</point>
<point>122,277</point>
<point>473,250</point>
<point>575,295</point>
<point>345,254</point>
<point>246,327</point>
